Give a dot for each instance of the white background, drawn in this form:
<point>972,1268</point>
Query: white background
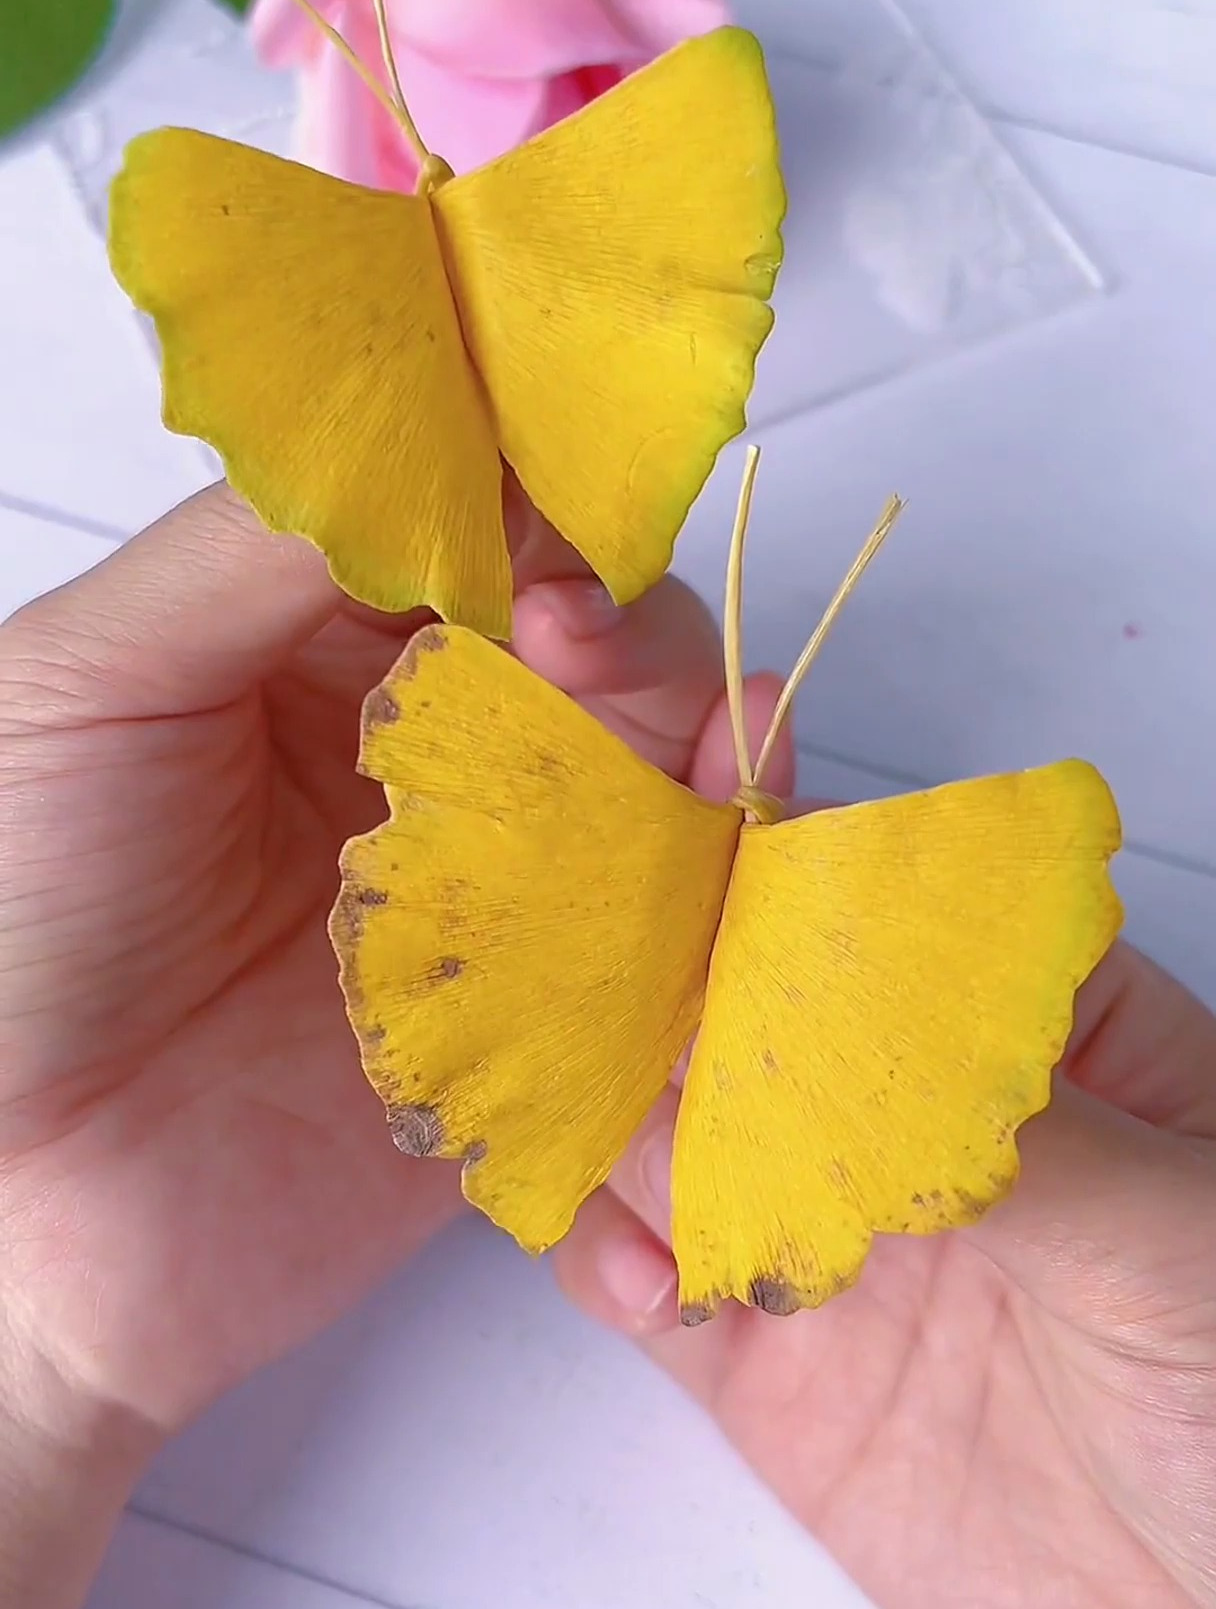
<point>1032,366</point>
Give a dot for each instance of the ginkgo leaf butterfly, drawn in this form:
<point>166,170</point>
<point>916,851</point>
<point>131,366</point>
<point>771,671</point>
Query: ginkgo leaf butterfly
<point>589,308</point>
<point>879,993</point>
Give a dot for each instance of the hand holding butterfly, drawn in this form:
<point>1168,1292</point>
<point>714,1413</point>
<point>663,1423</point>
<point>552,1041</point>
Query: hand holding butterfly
<point>1021,1415</point>
<point>194,1174</point>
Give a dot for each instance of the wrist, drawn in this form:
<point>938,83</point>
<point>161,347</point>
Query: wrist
<point>68,1464</point>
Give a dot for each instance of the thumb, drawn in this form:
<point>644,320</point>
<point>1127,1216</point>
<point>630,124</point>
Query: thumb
<point>184,617</point>
<point>1110,1224</point>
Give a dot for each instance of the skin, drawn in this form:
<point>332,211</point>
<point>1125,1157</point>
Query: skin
<point>1021,1415</point>
<point>194,1177</point>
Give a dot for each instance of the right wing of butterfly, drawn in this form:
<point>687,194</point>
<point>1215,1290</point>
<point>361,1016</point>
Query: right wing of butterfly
<point>890,990</point>
<point>613,276</point>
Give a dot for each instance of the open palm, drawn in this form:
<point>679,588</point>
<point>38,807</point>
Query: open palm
<point>196,1175</point>
<point>1017,1416</point>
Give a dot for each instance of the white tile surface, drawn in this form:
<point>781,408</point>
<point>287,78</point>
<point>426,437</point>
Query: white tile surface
<point>154,1566</point>
<point>467,1439</point>
<point>1050,588</point>
<point>1136,74</point>
<point>79,411</point>
<point>1050,591</point>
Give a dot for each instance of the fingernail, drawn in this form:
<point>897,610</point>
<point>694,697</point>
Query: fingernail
<point>638,1274</point>
<point>656,1171</point>
<point>581,608</point>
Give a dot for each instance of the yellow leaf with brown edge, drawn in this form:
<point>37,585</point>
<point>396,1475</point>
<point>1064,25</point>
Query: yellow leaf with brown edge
<point>524,943</point>
<point>879,993</point>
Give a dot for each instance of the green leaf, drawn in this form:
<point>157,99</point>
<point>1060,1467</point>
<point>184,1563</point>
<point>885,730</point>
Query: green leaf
<point>45,46</point>
<point>239,6</point>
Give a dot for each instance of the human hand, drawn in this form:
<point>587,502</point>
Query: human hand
<point>1020,1415</point>
<point>194,1175</point>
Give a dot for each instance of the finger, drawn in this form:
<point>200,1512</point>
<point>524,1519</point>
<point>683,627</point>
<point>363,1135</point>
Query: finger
<point>1145,1044</point>
<point>714,772</point>
<point>616,1271</point>
<point>1110,1223</point>
<point>538,553</point>
<point>183,617</point>
<point>641,1179</point>
<point>651,671</point>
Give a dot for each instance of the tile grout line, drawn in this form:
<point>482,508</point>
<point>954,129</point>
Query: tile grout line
<point>242,1550</point>
<point>1056,131</point>
<point>58,516</point>
<point>1131,846</point>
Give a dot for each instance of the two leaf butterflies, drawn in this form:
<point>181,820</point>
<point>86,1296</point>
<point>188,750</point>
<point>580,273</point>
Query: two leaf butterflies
<point>876,995</point>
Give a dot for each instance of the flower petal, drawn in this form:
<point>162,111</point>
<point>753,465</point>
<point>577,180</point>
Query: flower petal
<point>337,126</point>
<point>658,25</point>
<point>466,120</point>
<point>504,39</point>
<point>282,33</point>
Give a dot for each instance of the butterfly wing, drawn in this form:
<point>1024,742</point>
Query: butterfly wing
<point>308,333</point>
<point>890,991</point>
<point>613,277</point>
<point>524,943</point>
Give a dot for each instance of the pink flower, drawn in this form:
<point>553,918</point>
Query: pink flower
<point>480,76</point>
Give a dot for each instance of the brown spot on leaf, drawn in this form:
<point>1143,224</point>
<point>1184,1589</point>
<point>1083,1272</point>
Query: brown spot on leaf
<point>380,708</point>
<point>773,1295</point>
<point>430,640</point>
<point>346,921</point>
<point>971,1206</point>
<point>769,1062</point>
<point>694,1313</point>
<point>375,1036</point>
<point>927,1198</point>
<point>474,1153</point>
<point>371,896</point>
<point>416,1130</point>
<point>451,966</point>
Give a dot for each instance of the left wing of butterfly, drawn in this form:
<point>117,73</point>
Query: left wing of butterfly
<point>890,991</point>
<point>308,333</point>
<point>524,943</point>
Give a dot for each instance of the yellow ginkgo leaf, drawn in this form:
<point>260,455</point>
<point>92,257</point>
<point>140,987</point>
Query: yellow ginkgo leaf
<point>879,993</point>
<point>588,307</point>
<point>890,990</point>
<point>502,886</point>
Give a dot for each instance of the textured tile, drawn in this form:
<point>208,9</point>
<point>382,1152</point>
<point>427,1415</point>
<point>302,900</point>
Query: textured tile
<point>1136,74</point>
<point>153,1566</point>
<point>1049,589</point>
<point>79,400</point>
<point>467,1440</point>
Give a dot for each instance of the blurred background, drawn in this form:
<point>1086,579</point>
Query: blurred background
<point>1000,256</point>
